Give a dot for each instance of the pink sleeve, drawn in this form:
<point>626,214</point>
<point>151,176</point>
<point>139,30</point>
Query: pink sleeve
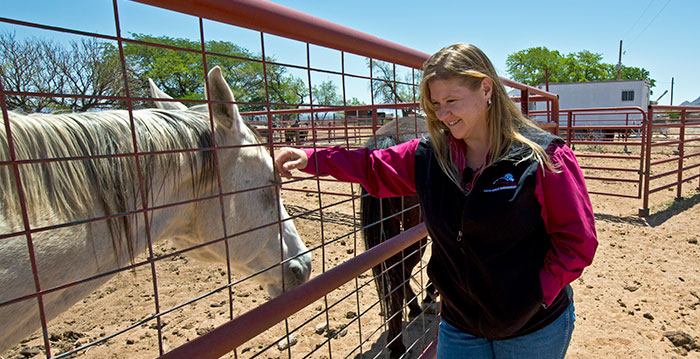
<point>568,217</point>
<point>383,172</point>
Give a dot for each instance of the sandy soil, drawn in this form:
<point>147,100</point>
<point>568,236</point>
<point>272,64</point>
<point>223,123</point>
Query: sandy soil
<point>643,286</point>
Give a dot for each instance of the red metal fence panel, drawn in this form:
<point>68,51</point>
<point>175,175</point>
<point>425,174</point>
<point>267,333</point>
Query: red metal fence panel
<point>672,154</point>
<point>224,314</point>
<point>609,145</point>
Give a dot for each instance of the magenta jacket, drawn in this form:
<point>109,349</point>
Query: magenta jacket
<point>566,207</point>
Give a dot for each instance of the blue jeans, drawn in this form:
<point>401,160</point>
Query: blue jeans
<point>549,342</point>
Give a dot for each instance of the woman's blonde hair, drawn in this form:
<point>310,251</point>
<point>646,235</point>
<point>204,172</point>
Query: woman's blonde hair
<point>506,123</point>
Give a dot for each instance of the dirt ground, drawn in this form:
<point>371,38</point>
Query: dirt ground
<point>639,299</point>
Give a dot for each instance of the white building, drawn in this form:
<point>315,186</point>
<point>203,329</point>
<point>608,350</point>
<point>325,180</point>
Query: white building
<point>625,93</point>
<point>579,95</point>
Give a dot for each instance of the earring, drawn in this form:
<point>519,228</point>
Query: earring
<point>489,101</point>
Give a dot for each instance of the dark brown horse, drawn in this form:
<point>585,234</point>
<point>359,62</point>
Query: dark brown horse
<point>385,218</point>
<point>295,136</point>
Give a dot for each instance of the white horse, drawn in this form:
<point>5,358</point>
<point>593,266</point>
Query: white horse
<point>66,200</point>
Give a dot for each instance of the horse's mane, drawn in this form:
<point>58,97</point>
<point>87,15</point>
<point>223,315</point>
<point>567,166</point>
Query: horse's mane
<point>74,185</point>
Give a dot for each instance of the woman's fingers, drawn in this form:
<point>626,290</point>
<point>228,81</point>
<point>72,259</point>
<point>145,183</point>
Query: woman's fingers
<point>288,159</point>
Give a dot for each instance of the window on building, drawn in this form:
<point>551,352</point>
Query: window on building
<point>628,95</point>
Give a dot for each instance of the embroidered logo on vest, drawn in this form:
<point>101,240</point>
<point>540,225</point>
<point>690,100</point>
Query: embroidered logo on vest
<point>503,183</point>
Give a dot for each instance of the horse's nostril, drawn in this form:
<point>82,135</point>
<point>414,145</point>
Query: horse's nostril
<point>296,274</point>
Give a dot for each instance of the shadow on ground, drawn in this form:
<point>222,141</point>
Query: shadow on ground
<point>656,218</point>
<point>675,208</point>
<point>417,336</point>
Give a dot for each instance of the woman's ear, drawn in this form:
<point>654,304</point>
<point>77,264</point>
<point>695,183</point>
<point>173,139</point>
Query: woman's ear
<point>487,87</point>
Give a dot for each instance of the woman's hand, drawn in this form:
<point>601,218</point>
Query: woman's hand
<point>288,158</point>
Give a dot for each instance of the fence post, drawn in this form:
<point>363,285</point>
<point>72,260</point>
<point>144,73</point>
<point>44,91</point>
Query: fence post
<point>627,131</point>
<point>525,101</point>
<point>642,151</point>
<point>569,130</point>
<point>644,211</point>
<point>681,147</point>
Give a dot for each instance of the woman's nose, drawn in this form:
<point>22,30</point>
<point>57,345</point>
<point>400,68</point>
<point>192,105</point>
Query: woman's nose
<point>441,113</point>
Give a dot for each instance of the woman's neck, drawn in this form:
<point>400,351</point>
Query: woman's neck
<point>477,149</point>
<point>476,155</point>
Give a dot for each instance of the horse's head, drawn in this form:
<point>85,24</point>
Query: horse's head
<point>258,231</point>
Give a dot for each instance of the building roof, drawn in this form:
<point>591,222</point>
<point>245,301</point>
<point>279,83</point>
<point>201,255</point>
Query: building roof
<point>541,85</point>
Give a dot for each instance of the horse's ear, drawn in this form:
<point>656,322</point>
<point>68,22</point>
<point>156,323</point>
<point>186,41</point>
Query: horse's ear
<point>224,110</point>
<point>163,105</point>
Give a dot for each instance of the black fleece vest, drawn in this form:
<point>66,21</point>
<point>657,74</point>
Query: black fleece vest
<point>488,246</point>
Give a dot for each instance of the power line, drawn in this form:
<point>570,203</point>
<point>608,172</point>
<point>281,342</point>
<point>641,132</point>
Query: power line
<point>639,18</point>
<point>650,22</point>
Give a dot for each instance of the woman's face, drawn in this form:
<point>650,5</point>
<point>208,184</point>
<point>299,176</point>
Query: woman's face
<point>461,109</point>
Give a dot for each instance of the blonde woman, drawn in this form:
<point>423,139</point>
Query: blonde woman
<point>505,204</point>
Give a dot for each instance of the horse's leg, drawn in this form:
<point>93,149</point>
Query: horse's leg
<point>403,272</point>
<point>414,252</point>
<point>396,278</point>
<point>396,301</point>
<point>431,293</point>
<point>429,304</point>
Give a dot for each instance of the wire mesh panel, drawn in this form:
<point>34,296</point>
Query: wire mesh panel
<point>119,219</point>
<point>609,143</point>
<point>672,167</point>
<point>153,219</point>
<point>145,216</point>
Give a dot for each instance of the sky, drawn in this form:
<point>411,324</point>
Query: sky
<point>662,36</point>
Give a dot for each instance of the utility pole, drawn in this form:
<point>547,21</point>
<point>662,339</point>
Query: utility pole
<point>619,62</point>
<point>671,91</point>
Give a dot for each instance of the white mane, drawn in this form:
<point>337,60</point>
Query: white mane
<point>86,178</point>
<point>67,187</point>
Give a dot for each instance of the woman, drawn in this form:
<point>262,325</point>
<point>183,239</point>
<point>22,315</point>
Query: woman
<point>504,202</point>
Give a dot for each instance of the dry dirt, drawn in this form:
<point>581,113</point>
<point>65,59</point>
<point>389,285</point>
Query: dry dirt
<point>643,285</point>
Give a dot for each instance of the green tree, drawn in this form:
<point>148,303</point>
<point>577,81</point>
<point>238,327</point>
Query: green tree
<point>180,72</point>
<point>631,73</point>
<point>326,94</point>
<point>584,66</point>
<point>528,66</point>
<point>354,102</point>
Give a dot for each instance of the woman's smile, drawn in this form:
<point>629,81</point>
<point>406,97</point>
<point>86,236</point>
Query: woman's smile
<point>461,109</point>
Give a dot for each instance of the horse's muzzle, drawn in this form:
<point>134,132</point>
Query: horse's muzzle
<point>297,271</point>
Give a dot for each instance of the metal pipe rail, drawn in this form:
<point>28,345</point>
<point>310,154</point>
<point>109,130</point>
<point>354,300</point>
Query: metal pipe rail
<point>234,333</point>
<point>679,156</point>
<point>613,120</point>
<point>279,20</point>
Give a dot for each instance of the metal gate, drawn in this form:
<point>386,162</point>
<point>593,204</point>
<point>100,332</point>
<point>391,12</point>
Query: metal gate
<point>336,314</point>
